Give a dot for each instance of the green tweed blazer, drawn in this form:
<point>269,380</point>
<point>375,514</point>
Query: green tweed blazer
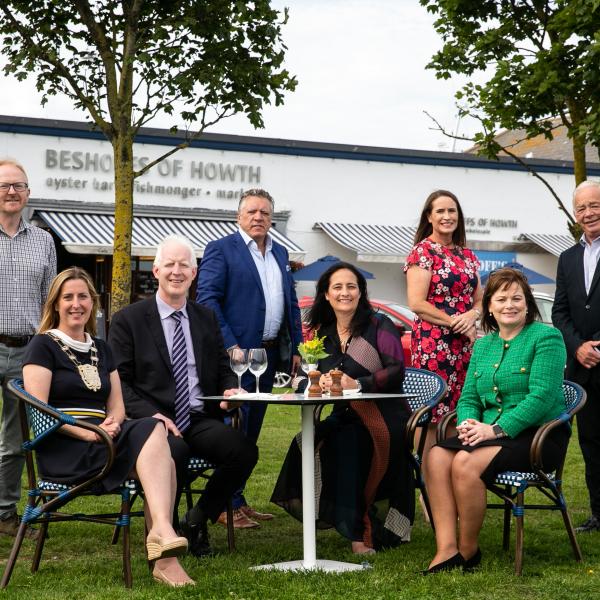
<point>516,384</point>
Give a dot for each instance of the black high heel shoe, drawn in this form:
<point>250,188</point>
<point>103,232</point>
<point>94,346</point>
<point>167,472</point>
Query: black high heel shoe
<point>454,562</point>
<point>471,563</point>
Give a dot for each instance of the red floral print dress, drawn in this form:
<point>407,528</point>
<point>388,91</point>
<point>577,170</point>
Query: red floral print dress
<point>435,347</point>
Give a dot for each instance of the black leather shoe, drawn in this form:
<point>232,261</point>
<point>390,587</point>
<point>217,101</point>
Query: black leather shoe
<point>471,563</point>
<point>454,562</point>
<point>197,535</point>
<point>592,524</point>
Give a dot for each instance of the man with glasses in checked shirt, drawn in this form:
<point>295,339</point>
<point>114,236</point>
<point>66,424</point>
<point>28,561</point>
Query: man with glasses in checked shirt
<point>27,266</point>
<point>169,353</point>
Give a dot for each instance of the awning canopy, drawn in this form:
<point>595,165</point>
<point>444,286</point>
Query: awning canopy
<point>92,233</point>
<point>553,243</point>
<point>372,243</point>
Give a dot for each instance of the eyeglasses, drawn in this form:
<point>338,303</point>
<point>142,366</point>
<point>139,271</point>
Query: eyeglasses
<point>20,186</point>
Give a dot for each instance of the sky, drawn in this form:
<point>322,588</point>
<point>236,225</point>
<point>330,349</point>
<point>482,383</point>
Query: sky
<point>361,76</point>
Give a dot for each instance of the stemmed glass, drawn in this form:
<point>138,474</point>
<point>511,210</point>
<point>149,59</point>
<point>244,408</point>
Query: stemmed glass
<point>258,363</point>
<point>238,361</point>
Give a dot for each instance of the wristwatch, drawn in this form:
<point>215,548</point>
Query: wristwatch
<point>359,386</point>
<point>498,431</point>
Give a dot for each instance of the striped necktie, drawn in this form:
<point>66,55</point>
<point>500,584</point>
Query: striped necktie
<point>179,362</point>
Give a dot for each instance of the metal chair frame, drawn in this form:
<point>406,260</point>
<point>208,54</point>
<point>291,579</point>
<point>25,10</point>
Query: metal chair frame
<point>429,390</point>
<point>46,497</point>
<point>510,486</point>
<point>201,468</point>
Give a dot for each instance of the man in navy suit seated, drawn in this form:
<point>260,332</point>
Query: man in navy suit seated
<point>169,353</point>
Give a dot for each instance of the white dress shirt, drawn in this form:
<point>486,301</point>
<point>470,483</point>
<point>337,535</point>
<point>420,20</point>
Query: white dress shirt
<point>272,284</point>
<point>591,252</point>
<point>168,324</point>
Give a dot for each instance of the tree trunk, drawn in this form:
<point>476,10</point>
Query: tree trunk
<point>121,272</point>
<point>580,168</point>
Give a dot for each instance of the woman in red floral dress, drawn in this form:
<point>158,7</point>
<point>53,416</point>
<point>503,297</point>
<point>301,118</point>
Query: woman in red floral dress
<point>445,293</point>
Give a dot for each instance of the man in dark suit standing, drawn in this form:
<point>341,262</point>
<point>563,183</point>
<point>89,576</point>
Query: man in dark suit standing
<point>169,353</point>
<point>246,279</point>
<point>576,313</point>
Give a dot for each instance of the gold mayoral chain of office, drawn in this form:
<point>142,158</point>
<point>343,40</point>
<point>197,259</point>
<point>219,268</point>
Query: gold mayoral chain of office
<point>87,371</point>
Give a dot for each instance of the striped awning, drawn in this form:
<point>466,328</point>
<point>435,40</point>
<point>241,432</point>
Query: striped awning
<point>372,243</point>
<point>92,233</point>
<point>553,243</point>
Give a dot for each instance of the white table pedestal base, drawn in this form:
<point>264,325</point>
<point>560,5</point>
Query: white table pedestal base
<point>327,566</point>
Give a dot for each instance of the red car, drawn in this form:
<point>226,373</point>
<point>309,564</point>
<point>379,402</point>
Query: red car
<point>401,316</point>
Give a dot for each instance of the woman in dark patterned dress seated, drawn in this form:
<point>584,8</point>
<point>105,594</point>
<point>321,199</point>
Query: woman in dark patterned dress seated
<point>513,385</point>
<point>364,485</point>
<point>72,371</point>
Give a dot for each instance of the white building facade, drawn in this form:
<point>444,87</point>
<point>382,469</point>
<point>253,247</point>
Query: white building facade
<point>358,203</point>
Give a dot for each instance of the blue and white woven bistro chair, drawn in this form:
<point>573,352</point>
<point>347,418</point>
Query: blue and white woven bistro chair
<point>428,390</point>
<point>511,486</point>
<point>45,498</point>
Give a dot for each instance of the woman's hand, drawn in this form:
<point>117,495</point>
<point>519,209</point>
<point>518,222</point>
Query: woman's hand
<point>472,432</point>
<point>111,426</point>
<point>325,382</point>
<point>348,383</point>
<point>465,322</point>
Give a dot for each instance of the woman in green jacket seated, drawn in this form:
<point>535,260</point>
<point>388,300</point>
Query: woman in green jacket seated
<point>513,385</point>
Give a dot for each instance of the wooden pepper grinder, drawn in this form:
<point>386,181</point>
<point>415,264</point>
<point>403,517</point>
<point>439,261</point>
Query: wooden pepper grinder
<point>314,391</point>
<point>336,383</point>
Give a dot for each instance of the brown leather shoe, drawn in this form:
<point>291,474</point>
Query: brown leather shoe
<point>10,526</point>
<point>240,520</point>
<point>251,513</point>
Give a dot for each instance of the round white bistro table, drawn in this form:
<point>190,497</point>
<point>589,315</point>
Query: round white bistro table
<point>310,561</point>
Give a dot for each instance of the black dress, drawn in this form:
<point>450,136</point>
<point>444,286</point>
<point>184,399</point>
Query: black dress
<point>363,482</point>
<point>63,458</point>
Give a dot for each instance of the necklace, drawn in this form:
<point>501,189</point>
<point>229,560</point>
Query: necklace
<point>345,337</point>
<point>88,372</point>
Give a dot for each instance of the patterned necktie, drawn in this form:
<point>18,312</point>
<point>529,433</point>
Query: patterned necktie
<point>179,362</point>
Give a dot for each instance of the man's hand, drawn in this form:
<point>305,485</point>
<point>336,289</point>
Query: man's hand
<point>588,354</point>
<point>225,404</point>
<point>296,361</point>
<point>168,424</point>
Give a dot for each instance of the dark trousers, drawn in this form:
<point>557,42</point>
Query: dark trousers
<point>588,428</point>
<point>253,415</point>
<point>229,448</point>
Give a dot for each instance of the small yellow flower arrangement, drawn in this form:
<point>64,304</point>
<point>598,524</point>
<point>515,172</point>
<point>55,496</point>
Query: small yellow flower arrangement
<point>313,350</point>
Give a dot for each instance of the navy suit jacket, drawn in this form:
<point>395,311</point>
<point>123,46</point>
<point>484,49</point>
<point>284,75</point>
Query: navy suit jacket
<point>575,312</point>
<point>138,343</point>
<point>229,283</point>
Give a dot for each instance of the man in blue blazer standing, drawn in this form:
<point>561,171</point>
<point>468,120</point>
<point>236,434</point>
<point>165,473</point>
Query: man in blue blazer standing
<point>246,279</point>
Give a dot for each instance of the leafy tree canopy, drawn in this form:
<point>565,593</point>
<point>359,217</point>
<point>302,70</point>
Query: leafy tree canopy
<point>124,62</point>
<point>542,58</point>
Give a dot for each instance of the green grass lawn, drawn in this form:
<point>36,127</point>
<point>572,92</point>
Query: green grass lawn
<point>79,562</point>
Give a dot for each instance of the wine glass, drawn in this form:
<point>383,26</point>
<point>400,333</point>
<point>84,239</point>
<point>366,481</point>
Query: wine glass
<point>238,361</point>
<point>258,363</point>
